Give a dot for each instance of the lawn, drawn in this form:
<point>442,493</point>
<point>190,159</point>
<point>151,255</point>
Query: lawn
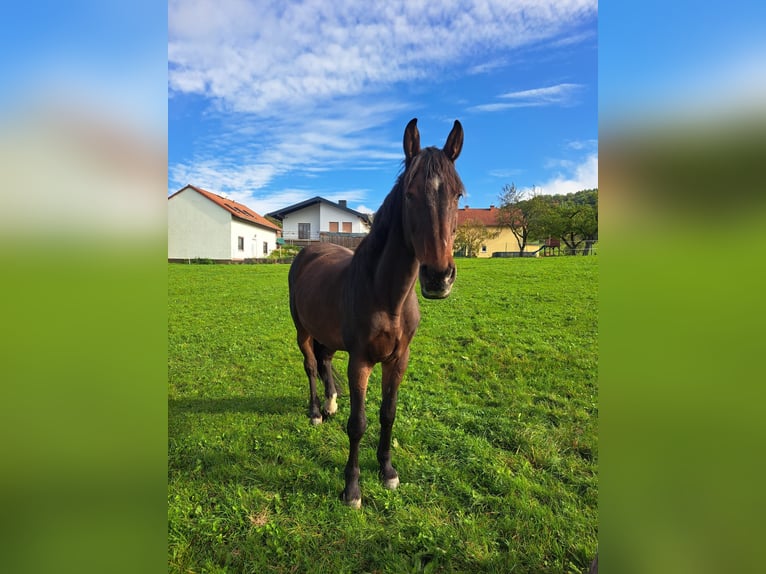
<point>495,439</point>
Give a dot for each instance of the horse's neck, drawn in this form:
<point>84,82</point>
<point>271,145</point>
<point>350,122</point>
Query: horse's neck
<point>390,267</point>
<point>396,271</point>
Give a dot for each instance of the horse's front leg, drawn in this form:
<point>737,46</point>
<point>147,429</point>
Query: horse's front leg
<point>393,372</point>
<point>358,374</point>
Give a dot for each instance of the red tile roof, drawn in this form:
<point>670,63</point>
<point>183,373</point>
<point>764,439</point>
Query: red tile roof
<point>236,209</point>
<point>485,215</point>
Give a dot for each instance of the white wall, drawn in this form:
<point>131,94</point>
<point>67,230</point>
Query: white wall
<point>197,227</point>
<point>254,238</point>
<point>308,214</point>
<point>330,213</point>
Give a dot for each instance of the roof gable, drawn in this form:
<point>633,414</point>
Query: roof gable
<point>281,213</point>
<point>236,209</point>
<point>484,215</point>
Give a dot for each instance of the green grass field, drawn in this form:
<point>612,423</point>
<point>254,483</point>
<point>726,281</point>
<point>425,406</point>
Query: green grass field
<point>495,439</point>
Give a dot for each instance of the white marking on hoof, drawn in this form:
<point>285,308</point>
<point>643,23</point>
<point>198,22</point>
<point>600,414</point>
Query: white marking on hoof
<point>356,503</point>
<point>331,404</point>
<point>391,483</point>
<point>316,421</point>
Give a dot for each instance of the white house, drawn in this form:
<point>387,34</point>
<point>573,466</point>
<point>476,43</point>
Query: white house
<point>306,220</point>
<point>205,225</point>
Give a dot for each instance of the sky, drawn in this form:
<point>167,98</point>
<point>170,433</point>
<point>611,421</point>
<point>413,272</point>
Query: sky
<point>272,103</point>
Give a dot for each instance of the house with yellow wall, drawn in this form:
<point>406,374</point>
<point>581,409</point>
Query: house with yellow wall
<point>503,242</point>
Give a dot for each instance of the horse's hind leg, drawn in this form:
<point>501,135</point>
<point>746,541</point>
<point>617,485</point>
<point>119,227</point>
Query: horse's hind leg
<point>324,363</point>
<point>306,345</point>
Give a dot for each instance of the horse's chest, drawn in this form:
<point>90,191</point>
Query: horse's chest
<point>388,337</point>
<point>384,344</point>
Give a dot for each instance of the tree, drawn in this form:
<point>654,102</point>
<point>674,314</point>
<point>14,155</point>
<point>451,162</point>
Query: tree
<point>586,223</point>
<point>573,218</point>
<point>526,217</point>
<point>470,236</point>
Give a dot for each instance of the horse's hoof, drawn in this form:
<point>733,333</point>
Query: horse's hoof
<point>355,503</point>
<point>316,421</point>
<point>391,483</point>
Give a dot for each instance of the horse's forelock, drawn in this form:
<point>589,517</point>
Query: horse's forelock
<point>432,162</point>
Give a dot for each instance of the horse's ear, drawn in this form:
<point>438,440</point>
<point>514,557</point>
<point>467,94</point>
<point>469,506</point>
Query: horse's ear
<point>411,140</point>
<point>454,141</point>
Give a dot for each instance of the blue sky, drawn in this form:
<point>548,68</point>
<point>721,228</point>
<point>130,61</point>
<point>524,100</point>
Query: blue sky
<point>272,103</point>
<point>668,64</point>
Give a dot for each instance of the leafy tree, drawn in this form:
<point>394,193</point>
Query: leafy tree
<point>527,217</point>
<point>514,214</point>
<point>573,218</point>
<point>578,221</point>
<point>471,235</point>
<point>586,224</point>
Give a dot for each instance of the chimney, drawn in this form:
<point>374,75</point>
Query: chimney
<point>342,203</point>
<point>491,207</point>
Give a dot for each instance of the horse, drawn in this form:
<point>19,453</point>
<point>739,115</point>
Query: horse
<point>364,301</point>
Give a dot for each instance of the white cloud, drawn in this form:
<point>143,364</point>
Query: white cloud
<point>264,204</point>
<point>255,56</point>
<point>499,107</point>
<point>582,144</point>
<point>283,78</point>
<point>579,176</point>
<point>485,67</point>
<point>249,154</point>
<point>505,173</point>
<point>220,176</point>
<point>560,94</point>
<point>555,93</point>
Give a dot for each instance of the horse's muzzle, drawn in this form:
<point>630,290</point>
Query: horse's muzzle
<point>437,283</point>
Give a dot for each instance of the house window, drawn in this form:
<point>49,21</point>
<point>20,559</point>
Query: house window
<point>483,248</point>
<point>241,243</point>
<point>304,231</point>
<point>333,227</point>
<point>265,247</point>
<point>346,227</point>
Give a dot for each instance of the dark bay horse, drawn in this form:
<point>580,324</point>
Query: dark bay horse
<point>364,302</point>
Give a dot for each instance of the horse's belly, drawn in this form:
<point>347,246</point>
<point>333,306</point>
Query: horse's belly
<point>318,315</point>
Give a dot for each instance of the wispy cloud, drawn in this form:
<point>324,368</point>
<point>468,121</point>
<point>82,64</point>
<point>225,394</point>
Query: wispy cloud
<point>255,56</point>
<point>284,79</point>
<point>582,144</point>
<point>560,95</point>
<point>249,154</point>
<point>505,173</point>
<point>485,67</point>
<point>554,94</point>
